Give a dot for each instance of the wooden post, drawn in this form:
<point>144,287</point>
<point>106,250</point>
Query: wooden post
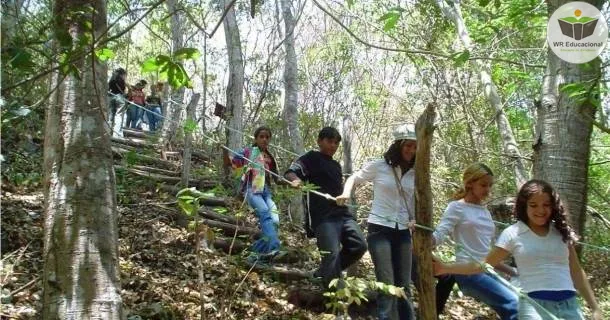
<point>422,241</point>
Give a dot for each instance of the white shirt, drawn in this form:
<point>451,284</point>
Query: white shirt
<point>543,261</point>
<point>470,226</point>
<point>387,201</point>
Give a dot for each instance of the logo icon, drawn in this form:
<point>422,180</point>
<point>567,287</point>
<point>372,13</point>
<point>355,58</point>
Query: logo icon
<point>577,32</point>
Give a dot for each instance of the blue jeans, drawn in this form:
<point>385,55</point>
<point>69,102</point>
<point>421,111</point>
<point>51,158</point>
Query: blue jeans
<point>268,220</point>
<point>391,252</point>
<point>341,243</point>
<point>485,288</point>
<point>133,114</point>
<point>565,309</point>
<point>115,102</point>
<point>154,115</point>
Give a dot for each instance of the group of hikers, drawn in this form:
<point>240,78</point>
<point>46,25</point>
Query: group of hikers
<point>541,242</point>
<point>140,108</point>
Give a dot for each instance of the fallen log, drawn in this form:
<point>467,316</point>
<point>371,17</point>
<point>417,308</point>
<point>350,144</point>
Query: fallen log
<point>202,185</point>
<point>156,170</point>
<point>120,153</point>
<point>164,178</point>
<point>134,133</point>
<point>282,273</point>
<point>137,143</point>
<point>230,229</point>
<point>207,213</point>
<point>224,244</point>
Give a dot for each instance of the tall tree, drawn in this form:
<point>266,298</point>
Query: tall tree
<point>81,257</point>
<point>453,12</point>
<point>291,85</point>
<point>235,86</point>
<point>562,143</point>
<point>177,95</point>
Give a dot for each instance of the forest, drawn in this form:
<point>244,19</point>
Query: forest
<point>189,159</point>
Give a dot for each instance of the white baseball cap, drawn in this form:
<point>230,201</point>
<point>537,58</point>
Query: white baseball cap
<point>405,132</point>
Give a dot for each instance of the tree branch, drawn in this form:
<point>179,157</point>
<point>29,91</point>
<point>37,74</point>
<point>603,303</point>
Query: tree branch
<point>413,51</point>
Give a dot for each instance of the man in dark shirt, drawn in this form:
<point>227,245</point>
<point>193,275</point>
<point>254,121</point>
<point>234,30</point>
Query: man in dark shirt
<point>339,238</point>
<point>116,88</point>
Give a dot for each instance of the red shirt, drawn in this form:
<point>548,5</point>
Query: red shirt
<point>137,96</point>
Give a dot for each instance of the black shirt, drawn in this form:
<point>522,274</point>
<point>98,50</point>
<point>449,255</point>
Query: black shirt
<point>321,170</point>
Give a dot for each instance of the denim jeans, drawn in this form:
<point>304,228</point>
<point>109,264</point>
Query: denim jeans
<point>391,252</point>
<point>565,309</point>
<point>268,220</point>
<point>132,116</point>
<point>485,288</point>
<point>115,103</point>
<point>341,243</point>
<point>154,115</point>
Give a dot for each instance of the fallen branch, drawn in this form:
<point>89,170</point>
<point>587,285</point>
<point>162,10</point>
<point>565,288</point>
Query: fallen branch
<point>230,229</point>
<point>119,153</point>
<point>207,213</point>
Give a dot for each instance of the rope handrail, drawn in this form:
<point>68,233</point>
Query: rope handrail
<point>324,195</point>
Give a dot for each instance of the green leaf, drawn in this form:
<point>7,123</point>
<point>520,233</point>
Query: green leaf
<point>484,3</point>
<point>460,58</point>
<point>149,65</point>
<point>390,23</point>
<point>350,3</point>
<point>186,53</point>
<point>131,158</point>
<point>104,54</point>
<point>19,58</point>
<point>190,126</point>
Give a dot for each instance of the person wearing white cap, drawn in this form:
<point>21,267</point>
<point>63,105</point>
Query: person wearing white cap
<point>392,217</point>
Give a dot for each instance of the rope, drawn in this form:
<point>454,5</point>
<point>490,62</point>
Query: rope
<point>487,268</point>
<point>324,195</point>
<point>484,266</point>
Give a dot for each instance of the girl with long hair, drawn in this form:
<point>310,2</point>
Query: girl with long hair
<point>542,243</point>
<point>470,225</point>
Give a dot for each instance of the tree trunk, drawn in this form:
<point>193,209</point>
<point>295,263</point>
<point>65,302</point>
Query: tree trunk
<point>347,145</point>
<point>10,15</point>
<point>175,109</point>
<point>188,138</point>
<point>452,11</point>
<point>291,85</point>
<point>235,86</point>
<point>422,239</point>
<point>81,256</point>
<point>563,133</point>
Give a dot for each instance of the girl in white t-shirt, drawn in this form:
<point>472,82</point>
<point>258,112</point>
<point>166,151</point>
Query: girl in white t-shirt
<point>470,225</point>
<point>542,244</point>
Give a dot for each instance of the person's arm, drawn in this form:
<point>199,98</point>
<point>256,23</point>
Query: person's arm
<point>503,267</point>
<point>236,160</point>
<point>297,172</point>
<point>448,222</point>
<point>494,258</point>
<point>579,277</point>
<point>366,173</point>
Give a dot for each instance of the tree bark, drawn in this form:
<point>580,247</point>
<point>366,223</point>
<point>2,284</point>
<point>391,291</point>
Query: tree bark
<point>236,79</point>
<point>188,138</point>
<point>175,109</point>
<point>452,11</point>
<point>81,256</point>
<point>562,140</point>
<point>422,239</point>
<point>291,85</point>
